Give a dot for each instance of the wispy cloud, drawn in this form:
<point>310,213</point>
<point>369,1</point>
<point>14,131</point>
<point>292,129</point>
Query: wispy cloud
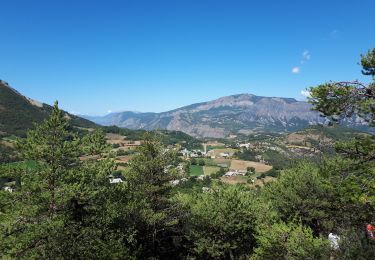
<point>295,70</point>
<point>306,56</point>
<point>109,111</point>
<point>305,93</point>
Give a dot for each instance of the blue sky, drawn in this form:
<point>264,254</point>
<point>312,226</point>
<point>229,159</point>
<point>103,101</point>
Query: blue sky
<point>99,56</point>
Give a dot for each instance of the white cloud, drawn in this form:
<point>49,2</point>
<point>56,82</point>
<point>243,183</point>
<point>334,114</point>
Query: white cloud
<point>306,56</point>
<point>295,70</point>
<point>109,111</point>
<point>305,93</point>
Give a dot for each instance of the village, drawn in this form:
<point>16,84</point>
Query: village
<point>212,160</point>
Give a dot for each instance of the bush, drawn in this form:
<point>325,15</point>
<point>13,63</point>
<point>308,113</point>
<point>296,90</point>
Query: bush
<point>290,241</point>
<point>201,162</point>
<point>193,161</point>
<point>272,173</point>
<point>250,169</point>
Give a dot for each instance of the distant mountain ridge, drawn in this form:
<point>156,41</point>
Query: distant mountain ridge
<point>18,113</point>
<point>236,114</point>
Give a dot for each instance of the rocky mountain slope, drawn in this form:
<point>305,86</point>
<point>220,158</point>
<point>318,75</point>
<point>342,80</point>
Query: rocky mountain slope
<point>18,113</point>
<point>244,113</point>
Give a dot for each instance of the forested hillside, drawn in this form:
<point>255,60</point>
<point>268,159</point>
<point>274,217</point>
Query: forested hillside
<point>18,113</point>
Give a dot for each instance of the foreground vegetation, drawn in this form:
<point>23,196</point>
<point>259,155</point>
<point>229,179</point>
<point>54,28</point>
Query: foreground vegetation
<point>63,207</point>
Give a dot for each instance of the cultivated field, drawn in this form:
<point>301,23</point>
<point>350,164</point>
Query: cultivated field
<point>121,141</point>
<point>242,165</point>
<point>222,161</point>
<point>234,179</point>
<point>123,159</point>
<point>208,170</point>
<point>195,170</point>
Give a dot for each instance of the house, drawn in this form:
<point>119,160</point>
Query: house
<point>230,173</point>
<point>235,173</point>
<point>247,145</point>
<point>185,152</point>
<point>225,155</point>
<point>176,182</point>
<point>9,189</point>
<point>115,180</point>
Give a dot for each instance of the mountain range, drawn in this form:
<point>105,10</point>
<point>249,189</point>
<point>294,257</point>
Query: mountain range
<point>220,118</point>
<point>231,115</point>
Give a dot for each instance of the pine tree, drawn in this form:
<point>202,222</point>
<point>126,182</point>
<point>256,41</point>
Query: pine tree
<point>63,208</point>
<point>149,176</point>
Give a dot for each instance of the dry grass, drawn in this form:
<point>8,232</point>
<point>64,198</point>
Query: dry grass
<point>7,144</point>
<point>123,159</point>
<point>295,138</point>
<point>242,165</point>
<point>214,144</point>
<point>208,170</point>
<point>233,179</point>
<point>89,157</point>
<point>243,180</point>
<point>120,140</point>
<point>111,136</point>
<point>299,147</point>
<point>222,161</point>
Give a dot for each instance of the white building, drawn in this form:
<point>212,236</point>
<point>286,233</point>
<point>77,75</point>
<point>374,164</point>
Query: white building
<point>225,155</point>
<point>115,180</point>
<point>9,189</point>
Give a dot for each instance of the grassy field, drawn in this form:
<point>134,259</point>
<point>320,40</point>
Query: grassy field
<point>195,170</point>
<point>210,162</point>
<point>215,147</point>
<point>222,161</point>
<point>208,170</point>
